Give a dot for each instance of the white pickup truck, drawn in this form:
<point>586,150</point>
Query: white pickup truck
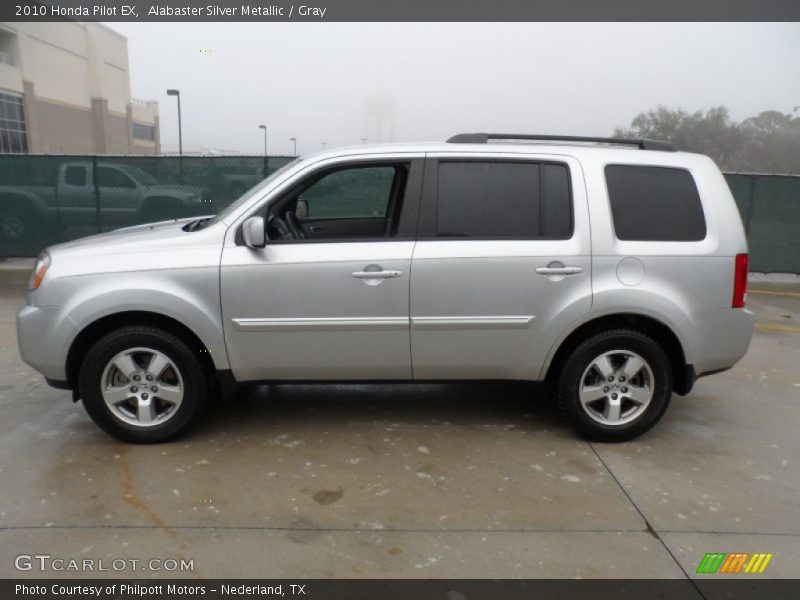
<point>124,195</point>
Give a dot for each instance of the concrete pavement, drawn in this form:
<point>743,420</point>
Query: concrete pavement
<point>463,480</point>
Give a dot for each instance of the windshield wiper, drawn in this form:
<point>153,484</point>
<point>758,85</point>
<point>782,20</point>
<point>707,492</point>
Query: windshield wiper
<point>197,225</point>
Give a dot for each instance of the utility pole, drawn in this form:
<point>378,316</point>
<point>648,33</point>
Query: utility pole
<point>177,94</point>
<point>264,127</point>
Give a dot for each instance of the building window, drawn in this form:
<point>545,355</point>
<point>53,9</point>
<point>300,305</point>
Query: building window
<point>143,131</point>
<point>8,59</point>
<point>8,46</point>
<point>13,135</point>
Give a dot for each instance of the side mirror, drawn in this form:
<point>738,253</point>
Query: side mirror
<point>301,211</point>
<point>253,232</point>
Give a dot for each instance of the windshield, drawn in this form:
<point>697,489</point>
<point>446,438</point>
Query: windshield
<point>253,191</point>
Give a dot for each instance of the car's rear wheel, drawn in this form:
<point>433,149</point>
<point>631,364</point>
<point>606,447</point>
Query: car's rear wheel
<point>615,385</point>
<point>142,384</point>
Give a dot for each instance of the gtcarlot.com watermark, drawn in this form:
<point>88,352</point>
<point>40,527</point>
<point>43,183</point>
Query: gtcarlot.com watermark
<point>58,564</point>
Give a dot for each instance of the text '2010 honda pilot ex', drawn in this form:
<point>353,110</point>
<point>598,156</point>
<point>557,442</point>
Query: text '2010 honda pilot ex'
<point>613,269</point>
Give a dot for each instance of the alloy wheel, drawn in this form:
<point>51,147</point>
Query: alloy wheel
<point>142,387</point>
<point>616,387</point>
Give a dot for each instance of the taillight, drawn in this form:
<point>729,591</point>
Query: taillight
<point>740,281</point>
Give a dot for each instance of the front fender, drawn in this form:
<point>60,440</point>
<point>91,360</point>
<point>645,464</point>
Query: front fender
<point>189,296</point>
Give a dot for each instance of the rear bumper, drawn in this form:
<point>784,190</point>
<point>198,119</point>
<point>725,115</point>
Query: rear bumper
<point>43,337</point>
<point>718,338</point>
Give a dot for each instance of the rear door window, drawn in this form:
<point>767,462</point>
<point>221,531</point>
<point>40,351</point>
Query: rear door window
<point>655,204</point>
<point>503,200</point>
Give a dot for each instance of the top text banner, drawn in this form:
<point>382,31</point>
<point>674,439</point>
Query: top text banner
<point>401,10</point>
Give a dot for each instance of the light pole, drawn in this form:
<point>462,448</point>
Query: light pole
<point>294,141</point>
<point>177,94</point>
<point>264,127</point>
<point>324,144</point>
<point>363,140</point>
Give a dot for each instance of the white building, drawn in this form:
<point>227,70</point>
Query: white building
<point>65,89</point>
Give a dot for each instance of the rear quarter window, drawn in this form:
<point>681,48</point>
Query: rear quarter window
<point>655,204</point>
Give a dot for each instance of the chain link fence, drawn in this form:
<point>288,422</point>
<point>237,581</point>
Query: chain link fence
<point>770,209</point>
<point>49,199</point>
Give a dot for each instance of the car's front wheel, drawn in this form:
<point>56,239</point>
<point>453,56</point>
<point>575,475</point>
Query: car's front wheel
<point>142,385</point>
<point>615,385</point>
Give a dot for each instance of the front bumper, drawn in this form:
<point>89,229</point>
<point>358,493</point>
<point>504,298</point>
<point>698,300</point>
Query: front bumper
<point>44,336</point>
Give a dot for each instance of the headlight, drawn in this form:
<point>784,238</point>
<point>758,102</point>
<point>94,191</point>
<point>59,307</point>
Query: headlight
<point>39,271</point>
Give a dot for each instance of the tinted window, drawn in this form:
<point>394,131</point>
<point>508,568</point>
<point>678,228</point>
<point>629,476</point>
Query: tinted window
<point>351,193</point>
<point>503,200</point>
<point>75,176</point>
<point>556,204</point>
<point>655,204</point>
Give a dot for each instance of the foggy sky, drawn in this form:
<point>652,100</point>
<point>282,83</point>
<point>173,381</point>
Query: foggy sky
<point>316,81</point>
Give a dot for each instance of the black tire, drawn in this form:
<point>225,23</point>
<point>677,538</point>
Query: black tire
<point>17,224</point>
<point>570,380</point>
<point>183,359</point>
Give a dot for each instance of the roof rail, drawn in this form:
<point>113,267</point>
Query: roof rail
<point>484,138</point>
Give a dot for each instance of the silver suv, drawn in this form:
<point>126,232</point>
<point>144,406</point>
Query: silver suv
<point>614,270</point>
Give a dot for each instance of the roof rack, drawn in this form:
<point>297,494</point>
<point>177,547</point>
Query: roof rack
<point>484,138</point>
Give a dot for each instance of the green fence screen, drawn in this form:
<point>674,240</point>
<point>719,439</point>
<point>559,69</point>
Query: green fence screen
<point>770,209</point>
<point>49,199</point>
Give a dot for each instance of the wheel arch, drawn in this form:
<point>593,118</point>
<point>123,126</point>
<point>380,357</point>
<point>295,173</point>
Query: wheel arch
<point>30,201</point>
<point>103,325</point>
<point>682,373</point>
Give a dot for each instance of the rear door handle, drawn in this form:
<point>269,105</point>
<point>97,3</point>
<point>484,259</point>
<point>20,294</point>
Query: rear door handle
<point>559,270</point>
<point>376,274</point>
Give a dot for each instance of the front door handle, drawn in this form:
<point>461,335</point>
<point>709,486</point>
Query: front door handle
<point>559,270</point>
<point>376,274</point>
